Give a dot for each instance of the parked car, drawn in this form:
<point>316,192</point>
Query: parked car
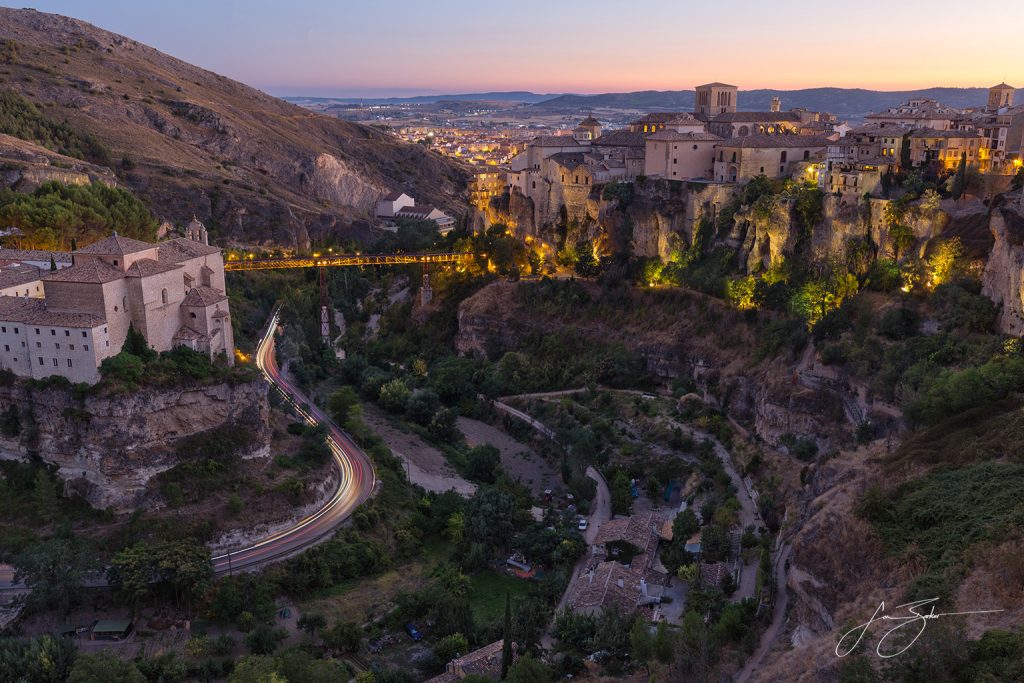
<point>413,632</point>
<point>582,524</point>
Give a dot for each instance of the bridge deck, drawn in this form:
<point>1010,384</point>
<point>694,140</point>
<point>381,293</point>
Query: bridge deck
<point>235,264</point>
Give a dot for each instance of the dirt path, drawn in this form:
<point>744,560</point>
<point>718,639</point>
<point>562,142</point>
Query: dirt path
<point>518,459</point>
<point>424,464</point>
<point>778,618</point>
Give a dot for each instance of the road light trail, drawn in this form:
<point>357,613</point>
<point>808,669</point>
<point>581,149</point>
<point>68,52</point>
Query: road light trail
<point>356,482</point>
<point>356,479</point>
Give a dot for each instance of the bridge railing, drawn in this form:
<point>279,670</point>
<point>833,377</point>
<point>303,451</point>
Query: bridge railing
<point>236,264</point>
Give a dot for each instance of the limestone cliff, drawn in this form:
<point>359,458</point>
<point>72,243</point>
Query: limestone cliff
<point>1003,277</point>
<point>107,447</point>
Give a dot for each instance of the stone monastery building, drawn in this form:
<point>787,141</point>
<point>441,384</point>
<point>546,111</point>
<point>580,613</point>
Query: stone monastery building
<point>172,292</point>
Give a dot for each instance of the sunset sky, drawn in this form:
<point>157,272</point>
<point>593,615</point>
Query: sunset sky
<point>403,47</point>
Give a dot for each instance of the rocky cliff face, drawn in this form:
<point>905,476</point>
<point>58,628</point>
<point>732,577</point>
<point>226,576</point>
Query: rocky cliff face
<point>660,214</point>
<point>24,166</point>
<point>107,448</point>
<point>1003,277</point>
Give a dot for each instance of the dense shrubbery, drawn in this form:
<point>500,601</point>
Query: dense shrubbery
<point>942,515</point>
<point>138,365</point>
<point>54,215</point>
<point>21,119</point>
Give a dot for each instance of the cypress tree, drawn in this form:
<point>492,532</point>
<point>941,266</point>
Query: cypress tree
<point>961,177</point>
<point>506,646</point>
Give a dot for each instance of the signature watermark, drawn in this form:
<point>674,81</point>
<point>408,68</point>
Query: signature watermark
<point>910,619</point>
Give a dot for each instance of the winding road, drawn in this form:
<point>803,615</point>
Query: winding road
<point>357,482</point>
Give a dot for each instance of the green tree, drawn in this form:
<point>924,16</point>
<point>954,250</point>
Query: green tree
<point>340,404</point>
<point>664,645</point>
<point>482,463</point>
<point>490,518</point>
<point>135,343</point>
<point>264,639</point>
<point>529,670</point>
<point>641,644</point>
<point>714,543</point>
<point>43,659</point>
<point>55,570</point>
<point>104,667</point>
<point>394,395</point>
<point>256,669</point>
<point>450,647</point>
<point>344,637</point>
<point>506,645</point>
<point>960,181</point>
<point>693,647</point>
<point>622,497</point>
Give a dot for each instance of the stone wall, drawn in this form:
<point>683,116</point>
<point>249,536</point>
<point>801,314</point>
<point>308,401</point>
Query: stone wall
<point>107,448</point>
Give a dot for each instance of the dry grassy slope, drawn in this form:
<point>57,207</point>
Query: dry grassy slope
<point>201,143</point>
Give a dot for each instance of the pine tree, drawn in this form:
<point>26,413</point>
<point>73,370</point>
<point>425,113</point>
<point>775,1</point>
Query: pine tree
<point>506,646</point>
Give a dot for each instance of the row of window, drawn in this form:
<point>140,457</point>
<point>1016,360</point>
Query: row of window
<point>42,361</point>
<point>53,332</point>
<point>39,345</point>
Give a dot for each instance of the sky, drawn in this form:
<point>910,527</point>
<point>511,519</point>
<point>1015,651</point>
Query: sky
<point>403,47</point>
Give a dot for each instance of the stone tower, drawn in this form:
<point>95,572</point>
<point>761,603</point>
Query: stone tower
<point>776,104</point>
<point>197,231</point>
<point>715,98</point>
<point>588,130</point>
<point>1000,96</point>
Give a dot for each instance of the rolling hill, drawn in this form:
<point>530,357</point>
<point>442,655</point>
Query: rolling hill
<point>192,142</point>
<point>851,103</point>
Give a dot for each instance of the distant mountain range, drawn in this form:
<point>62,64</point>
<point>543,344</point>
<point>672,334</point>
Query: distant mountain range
<point>844,102</point>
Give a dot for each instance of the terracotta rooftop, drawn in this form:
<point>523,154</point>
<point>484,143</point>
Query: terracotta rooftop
<point>716,84</point>
<point>202,296</point>
<point>181,249</point>
<point>115,244</point>
<point>570,160</point>
<point>92,271</point>
<point>34,312</point>
<point>554,141</point>
<point>671,136</point>
<point>148,266</point>
<point>393,196</point>
<point>18,274</point>
<point>186,333</point>
<point>714,573</point>
<point>590,121</point>
<point>35,255</point>
<point>620,138</point>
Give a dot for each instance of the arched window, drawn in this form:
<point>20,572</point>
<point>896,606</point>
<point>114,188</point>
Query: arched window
<point>744,131</point>
<point>163,295</point>
<point>807,154</point>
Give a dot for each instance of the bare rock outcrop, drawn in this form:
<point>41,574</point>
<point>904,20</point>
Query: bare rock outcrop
<point>1003,277</point>
<point>107,448</point>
